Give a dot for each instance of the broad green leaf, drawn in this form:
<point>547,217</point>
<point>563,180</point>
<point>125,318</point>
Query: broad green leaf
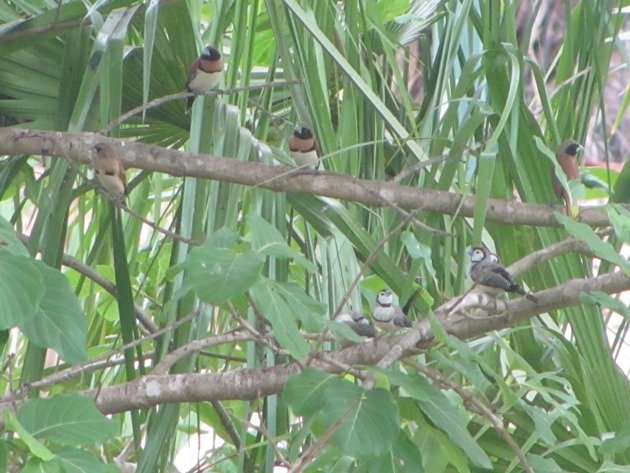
<point>21,289</point>
<point>35,465</point>
<point>602,249</point>
<point>305,392</point>
<point>218,275</point>
<point>74,460</point>
<point>66,419</point>
<point>369,420</point>
<point>303,307</point>
<point>265,238</point>
<point>9,240</point>
<point>34,445</point>
<point>60,323</point>
<point>282,317</point>
<point>437,407</point>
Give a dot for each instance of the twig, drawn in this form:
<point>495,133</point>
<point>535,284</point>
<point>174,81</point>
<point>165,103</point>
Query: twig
<point>92,365</point>
<point>196,346</point>
<point>183,95</point>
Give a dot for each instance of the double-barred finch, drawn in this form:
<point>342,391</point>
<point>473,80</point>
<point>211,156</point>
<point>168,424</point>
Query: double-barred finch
<point>387,316</point>
<point>566,155</point>
<point>357,322</point>
<point>204,74</point>
<point>110,171</point>
<point>303,148</point>
<point>486,271</point>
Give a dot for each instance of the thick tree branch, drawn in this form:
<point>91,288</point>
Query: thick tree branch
<point>80,147</point>
<point>248,384</point>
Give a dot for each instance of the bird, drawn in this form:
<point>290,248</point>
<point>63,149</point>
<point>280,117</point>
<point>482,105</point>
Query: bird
<point>303,147</point>
<point>486,271</point>
<point>387,316</point>
<point>357,322</point>
<point>110,171</point>
<point>204,74</point>
<point>566,157</point>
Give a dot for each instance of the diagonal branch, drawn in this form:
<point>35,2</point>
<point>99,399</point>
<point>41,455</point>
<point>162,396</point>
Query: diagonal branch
<point>248,384</point>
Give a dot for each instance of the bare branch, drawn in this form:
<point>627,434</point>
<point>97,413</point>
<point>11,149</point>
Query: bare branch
<point>79,147</point>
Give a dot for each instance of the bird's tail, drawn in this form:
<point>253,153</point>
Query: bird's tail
<point>532,298</point>
<point>189,104</point>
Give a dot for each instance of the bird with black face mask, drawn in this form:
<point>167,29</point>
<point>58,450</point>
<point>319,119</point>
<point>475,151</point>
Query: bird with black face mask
<point>493,278</point>
<point>566,155</point>
<point>303,148</point>
<point>204,74</point>
<point>357,322</point>
<point>110,171</point>
<point>386,315</point>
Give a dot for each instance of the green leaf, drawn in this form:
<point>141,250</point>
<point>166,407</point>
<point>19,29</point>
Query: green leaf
<point>60,323</point>
<point>34,446</point>
<point>281,316</point>
<point>21,289</point>
<point>66,419</point>
<point>35,465</point>
<point>9,240</point>
<point>602,249</point>
<point>541,464</point>
<point>218,275</point>
<point>305,392</point>
<point>369,420</point>
<point>620,218</point>
<point>265,238</point>
<point>605,300</point>
<point>74,460</point>
<point>437,407</point>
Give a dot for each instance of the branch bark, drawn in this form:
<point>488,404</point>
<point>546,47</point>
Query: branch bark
<point>249,384</point>
<point>79,147</point>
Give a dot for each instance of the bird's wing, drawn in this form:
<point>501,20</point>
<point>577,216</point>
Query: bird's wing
<point>363,329</point>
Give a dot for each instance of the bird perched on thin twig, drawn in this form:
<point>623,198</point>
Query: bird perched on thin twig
<point>303,147</point>
<point>566,155</point>
<point>386,315</point>
<point>110,171</point>
<point>491,276</point>
<point>204,74</point>
<point>357,322</point>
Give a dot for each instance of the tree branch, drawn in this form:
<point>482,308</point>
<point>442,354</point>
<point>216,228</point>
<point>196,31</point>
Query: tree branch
<point>79,148</point>
<point>248,384</point>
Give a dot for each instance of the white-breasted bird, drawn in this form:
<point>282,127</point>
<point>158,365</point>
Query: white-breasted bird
<point>204,74</point>
<point>357,322</point>
<point>110,171</point>
<point>486,271</point>
<point>386,315</point>
<point>303,147</point>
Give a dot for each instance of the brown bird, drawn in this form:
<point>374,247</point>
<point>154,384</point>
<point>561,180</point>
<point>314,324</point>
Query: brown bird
<point>491,276</point>
<point>303,148</point>
<point>204,74</point>
<point>110,171</point>
<point>566,156</point>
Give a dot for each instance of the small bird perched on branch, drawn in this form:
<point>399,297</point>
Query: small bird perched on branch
<point>357,322</point>
<point>303,147</point>
<point>566,155</point>
<point>110,171</point>
<point>491,276</point>
<point>386,315</point>
<point>204,74</point>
